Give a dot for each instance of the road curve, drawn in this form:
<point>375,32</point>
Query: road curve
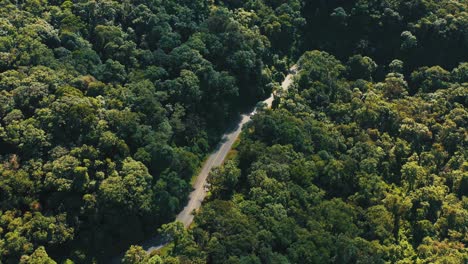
<point>215,159</point>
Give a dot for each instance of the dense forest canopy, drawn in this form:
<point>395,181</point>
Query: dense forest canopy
<point>341,171</point>
<point>107,110</point>
<point>109,107</point>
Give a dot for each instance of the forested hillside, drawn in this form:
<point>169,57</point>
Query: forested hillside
<point>362,160</point>
<point>109,107</point>
<point>342,172</point>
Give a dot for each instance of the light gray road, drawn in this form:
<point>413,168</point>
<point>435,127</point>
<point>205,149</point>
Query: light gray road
<point>215,159</point>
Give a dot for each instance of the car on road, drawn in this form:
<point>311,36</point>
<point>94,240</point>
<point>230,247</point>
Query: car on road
<point>260,105</point>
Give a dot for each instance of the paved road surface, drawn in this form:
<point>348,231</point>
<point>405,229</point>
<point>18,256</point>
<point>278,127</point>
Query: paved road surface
<point>215,159</point>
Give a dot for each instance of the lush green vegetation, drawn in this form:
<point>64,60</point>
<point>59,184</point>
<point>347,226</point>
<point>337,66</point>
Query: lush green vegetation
<point>362,160</point>
<point>107,109</point>
<point>418,32</point>
<point>343,171</point>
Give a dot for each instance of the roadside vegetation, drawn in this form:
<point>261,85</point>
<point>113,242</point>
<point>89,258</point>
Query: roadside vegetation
<point>108,108</point>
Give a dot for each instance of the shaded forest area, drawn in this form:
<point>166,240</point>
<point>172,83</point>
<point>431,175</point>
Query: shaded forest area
<point>362,160</point>
<point>340,171</point>
<point>108,108</point>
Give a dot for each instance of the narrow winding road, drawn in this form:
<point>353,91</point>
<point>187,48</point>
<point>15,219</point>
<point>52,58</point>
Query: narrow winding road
<point>215,159</point>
